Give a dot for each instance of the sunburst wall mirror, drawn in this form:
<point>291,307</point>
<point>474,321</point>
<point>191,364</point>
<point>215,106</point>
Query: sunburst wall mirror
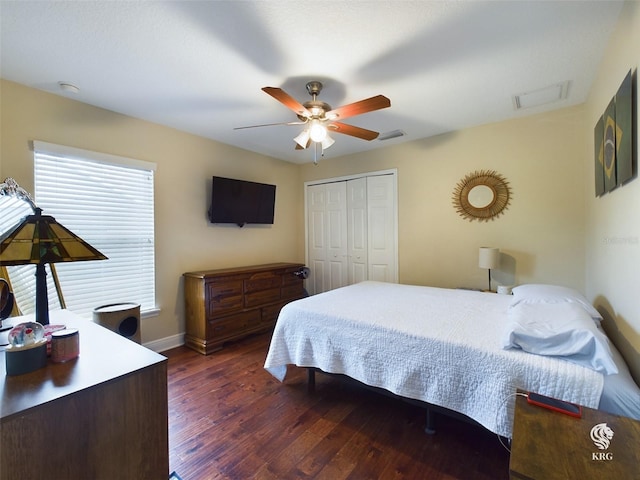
<point>482,195</point>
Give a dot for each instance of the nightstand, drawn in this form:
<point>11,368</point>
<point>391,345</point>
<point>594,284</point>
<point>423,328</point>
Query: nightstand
<point>548,445</point>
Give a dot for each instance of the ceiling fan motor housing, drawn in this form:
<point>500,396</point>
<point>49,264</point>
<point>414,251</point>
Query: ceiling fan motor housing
<point>317,108</point>
<point>314,88</point>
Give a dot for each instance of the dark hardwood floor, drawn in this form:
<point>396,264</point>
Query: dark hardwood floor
<point>230,419</point>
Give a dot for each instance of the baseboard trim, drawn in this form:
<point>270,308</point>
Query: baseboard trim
<point>166,343</point>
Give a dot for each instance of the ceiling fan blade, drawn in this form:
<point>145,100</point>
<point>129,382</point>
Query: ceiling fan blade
<point>287,100</point>
<point>270,125</point>
<point>358,132</point>
<point>358,108</point>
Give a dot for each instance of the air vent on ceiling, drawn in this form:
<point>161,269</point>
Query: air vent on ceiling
<point>543,96</point>
<point>392,134</point>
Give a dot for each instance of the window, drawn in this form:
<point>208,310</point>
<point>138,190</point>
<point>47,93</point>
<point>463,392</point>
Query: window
<point>108,202</point>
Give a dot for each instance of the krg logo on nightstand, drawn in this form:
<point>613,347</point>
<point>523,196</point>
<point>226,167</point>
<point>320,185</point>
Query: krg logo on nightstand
<point>601,436</point>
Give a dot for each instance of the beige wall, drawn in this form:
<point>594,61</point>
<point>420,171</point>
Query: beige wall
<point>613,221</point>
<point>554,230</point>
<point>185,241</point>
<point>541,234</point>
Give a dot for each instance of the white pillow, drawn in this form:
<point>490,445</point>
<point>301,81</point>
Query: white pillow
<point>559,330</point>
<point>533,293</point>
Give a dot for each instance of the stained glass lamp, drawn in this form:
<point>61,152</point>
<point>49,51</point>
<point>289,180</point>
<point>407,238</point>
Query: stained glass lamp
<point>39,239</point>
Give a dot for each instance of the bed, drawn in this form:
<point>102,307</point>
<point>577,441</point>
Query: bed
<point>456,349</point>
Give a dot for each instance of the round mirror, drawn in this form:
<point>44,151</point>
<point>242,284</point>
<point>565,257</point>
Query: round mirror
<point>482,195</point>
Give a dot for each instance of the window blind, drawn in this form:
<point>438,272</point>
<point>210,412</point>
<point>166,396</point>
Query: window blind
<point>107,201</point>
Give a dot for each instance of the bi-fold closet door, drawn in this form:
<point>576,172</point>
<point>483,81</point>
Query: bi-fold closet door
<point>351,232</point>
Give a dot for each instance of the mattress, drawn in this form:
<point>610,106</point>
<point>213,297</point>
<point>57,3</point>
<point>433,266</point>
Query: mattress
<point>440,346</point>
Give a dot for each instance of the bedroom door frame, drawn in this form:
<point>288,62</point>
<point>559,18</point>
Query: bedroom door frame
<point>393,173</point>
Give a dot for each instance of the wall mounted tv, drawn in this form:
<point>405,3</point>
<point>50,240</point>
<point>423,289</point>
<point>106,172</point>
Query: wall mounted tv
<point>241,202</point>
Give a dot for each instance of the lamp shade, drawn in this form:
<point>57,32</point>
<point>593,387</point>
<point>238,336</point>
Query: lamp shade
<point>327,142</point>
<point>40,239</point>
<point>489,257</point>
<point>302,139</point>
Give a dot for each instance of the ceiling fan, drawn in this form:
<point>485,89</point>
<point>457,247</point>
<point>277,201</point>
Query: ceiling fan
<point>321,118</point>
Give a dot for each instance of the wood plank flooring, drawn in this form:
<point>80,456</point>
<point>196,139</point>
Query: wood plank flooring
<point>230,419</point>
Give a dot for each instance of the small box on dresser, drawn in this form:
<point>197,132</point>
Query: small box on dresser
<point>227,304</point>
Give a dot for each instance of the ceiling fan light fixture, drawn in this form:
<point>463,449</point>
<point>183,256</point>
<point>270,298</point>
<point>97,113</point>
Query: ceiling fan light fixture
<point>327,142</point>
<point>303,138</point>
<point>318,116</point>
<point>317,131</point>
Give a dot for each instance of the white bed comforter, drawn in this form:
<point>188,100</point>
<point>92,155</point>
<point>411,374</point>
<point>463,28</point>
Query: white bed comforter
<point>441,346</point>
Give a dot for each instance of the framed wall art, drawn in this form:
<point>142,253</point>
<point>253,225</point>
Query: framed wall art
<point>615,161</point>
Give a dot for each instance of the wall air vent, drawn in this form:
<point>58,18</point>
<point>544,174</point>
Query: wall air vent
<point>543,96</point>
<point>392,134</point>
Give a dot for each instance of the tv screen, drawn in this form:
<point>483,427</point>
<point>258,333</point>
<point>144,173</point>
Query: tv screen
<point>241,202</point>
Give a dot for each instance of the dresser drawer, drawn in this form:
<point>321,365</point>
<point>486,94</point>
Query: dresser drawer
<point>293,291</point>
<point>270,313</point>
<point>289,278</point>
<point>224,297</point>
<point>262,297</point>
<point>257,283</point>
<point>233,325</point>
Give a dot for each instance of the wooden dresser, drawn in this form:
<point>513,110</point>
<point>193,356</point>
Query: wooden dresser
<point>230,303</point>
<point>100,416</point>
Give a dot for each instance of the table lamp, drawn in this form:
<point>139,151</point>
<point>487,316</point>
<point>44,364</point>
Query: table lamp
<point>39,239</point>
<point>489,258</point>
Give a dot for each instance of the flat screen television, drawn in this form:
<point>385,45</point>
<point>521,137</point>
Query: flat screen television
<point>241,202</point>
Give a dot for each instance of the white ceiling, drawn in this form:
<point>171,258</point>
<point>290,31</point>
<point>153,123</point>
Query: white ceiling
<point>199,66</point>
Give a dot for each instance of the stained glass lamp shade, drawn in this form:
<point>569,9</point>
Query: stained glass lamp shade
<point>39,239</point>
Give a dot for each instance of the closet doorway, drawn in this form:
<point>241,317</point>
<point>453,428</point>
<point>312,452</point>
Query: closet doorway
<point>351,230</point>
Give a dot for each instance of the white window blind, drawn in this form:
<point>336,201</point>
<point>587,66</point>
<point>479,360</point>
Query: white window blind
<point>107,201</point>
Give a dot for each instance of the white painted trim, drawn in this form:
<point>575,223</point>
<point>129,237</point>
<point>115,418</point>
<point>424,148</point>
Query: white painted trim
<point>166,343</point>
<point>391,171</point>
